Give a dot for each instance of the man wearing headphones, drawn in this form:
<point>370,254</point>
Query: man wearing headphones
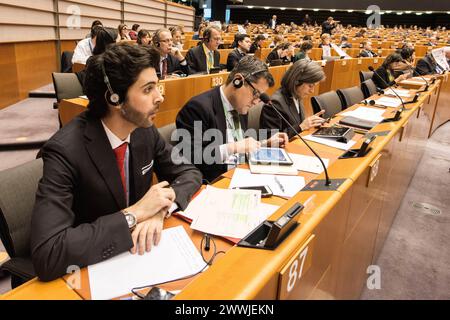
<point>222,113</point>
<point>243,46</point>
<point>172,61</point>
<point>96,199</point>
<point>205,56</point>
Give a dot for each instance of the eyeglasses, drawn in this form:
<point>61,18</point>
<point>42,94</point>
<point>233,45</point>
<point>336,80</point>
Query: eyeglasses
<point>256,93</point>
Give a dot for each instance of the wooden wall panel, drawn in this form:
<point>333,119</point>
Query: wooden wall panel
<point>8,76</point>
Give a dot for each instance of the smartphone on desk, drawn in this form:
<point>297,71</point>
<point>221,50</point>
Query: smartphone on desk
<point>265,190</point>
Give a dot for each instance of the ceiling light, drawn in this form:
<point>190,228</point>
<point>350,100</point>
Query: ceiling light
<point>389,11</point>
<point>299,9</point>
<point>250,7</point>
<point>315,10</point>
<point>282,8</point>
<point>333,10</point>
<point>267,8</point>
<point>429,12</point>
<point>399,13</point>
<point>408,12</point>
<point>349,10</point>
<point>419,13</point>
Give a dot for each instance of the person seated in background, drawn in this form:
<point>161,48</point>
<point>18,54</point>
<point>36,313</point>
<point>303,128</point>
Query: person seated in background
<point>257,44</point>
<point>305,51</point>
<point>344,43</point>
<point>361,33</point>
<point>297,84</point>
<point>172,61</point>
<point>105,37</point>
<point>307,38</point>
<point>94,23</point>
<point>283,52</point>
<point>391,71</point>
<point>329,25</point>
<point>133,34</point>
<point>85,47</point>
<point>123,32</point>
<point>276,41</point>
<point>325,44</point>
<point>367,52</point>
<point>408,54</point>
<point>428,65</point>
<point>224,109</point>
<point>144,37</point>
<point>95,200</point>
<point>177,37</point>
<point>243,46</point>
<point>205,56</point>
<point>199,34</point>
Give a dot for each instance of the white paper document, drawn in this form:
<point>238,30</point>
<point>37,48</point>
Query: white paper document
<point>84,97</point>
<point>175,257</point>
<point>308,163</point>
<point>364,113</point>
<point>401,92</point>
<point>229,213</point>
<point>330,142</point>
<point>413,81</point>
<point>194,207</point>
<point>388,102</point>
<point>283,186</point>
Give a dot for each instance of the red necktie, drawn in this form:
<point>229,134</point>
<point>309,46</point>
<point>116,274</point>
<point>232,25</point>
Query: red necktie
<point>164,69</point>
<point>120,157</point>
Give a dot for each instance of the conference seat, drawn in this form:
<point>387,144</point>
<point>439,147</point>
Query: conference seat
<point>166,133</point>
<point>67,86</point>
<point>328,101</point>
<point>17,196</point>
<point>368,88</point>
<point>365,75</point>
<point>66,61</point>
<point>350,96</point>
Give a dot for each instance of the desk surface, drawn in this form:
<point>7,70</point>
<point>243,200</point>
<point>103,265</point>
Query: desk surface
<point>249,280</point>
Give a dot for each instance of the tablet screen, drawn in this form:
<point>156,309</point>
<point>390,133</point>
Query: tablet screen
<point>270,155</point>
<point>331,131</point>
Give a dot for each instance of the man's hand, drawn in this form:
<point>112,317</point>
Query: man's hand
<point>148,233</point>
<point>156,199</point>
<point>243,146</point>
<point>176,53</point>
<point>278,140</point>
<point>401,78</point>
<point>313,121</point>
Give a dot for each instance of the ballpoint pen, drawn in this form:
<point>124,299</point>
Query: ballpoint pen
<point>279,183</point>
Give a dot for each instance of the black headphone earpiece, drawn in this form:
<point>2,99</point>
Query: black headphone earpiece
<point>238,83</point>
<point>111,97</point>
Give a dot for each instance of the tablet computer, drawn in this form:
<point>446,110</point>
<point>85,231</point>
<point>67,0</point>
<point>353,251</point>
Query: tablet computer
<point>331,132</point>
<point>270,156</point>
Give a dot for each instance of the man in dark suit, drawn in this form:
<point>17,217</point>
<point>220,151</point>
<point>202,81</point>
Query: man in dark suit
<point>172,61</point>
<point>221,115</point>
<point>273,22</point>
<point>328,25</point>
<point>367,52</point>
<point>428,65</point>
<point>243,46</point>
<point>96,199</point>
<point>205,56</point>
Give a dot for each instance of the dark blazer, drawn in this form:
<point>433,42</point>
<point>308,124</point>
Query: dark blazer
<point>366,53</point>
<point>196,59</point>
<point>174,66</point>
<point>233,58</point>
<point>427,65</point>
<point>327,27</point>
<point>383,73</point>
<point>77,218</point>
<point>253,48</point>
<point>346,45</point>
<point>207,108</point>
<point>273,55</point>
<point>284,103</point>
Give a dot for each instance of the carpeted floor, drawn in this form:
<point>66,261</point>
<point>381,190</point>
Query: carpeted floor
<point>415,258</point>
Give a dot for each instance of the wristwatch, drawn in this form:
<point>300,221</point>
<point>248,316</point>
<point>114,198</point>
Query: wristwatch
<point>131,219</point>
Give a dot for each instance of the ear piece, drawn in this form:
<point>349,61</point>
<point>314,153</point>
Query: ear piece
<point>238,83</point>
<point>110,95</point>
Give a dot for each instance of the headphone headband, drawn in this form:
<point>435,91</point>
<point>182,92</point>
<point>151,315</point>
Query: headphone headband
<point>114,98</point>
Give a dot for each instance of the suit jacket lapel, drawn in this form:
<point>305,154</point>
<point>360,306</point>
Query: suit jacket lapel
<point>219,112</point>
<point>140,156</point>
<point>103,157</point>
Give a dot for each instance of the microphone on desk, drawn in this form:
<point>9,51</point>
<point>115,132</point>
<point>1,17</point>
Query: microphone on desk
<point>265,98</point>
<point>396,117</point>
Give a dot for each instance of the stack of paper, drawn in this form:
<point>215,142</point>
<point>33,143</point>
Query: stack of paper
<point>308,163</point>
<point>330,142</point>
<point>230,213</point>
<point>283,186</point>
<point>363,113</point>
<point>175,257</point>
<point>401,92</point>
<point>389,102</point>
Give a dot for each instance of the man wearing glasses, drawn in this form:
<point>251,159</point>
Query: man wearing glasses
<point>205,56</point>
<point>224,109</point>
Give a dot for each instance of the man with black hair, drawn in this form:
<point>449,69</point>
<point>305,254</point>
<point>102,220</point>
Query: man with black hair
<point>243,46</point>
<point>96,198</point>
<point>257,44</point>
<point>85,47</point>
<point>221,114</point>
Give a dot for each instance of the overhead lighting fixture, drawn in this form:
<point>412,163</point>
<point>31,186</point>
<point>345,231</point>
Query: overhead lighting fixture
<point>315,10</point>
<point>333,10</point>
<point>299,9</point>
<point>429,12</point>
<point>408,12</point>
<point>205,6</point>
<point>399,13</point>
<point>369,12</point>
<point>267,8</point>
<point>282,8</point>
<point>250,7</point>
<point>389,11</point>
<point>381,12</point>
<point>419,13</point>
<point>349,10</point>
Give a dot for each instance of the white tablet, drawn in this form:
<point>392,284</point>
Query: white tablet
<point>270,156</point>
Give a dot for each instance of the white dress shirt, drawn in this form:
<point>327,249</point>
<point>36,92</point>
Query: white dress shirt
<point>83,51</point>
